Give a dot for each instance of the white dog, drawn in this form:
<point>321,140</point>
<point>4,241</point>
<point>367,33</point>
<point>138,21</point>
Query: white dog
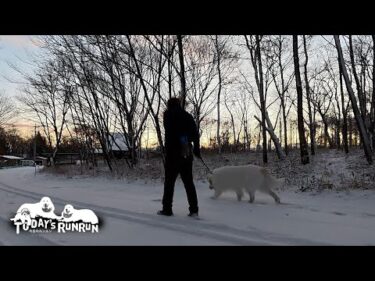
<point>239,178</point>
<point>23,216</point>
<point>73,215</point>
<point>45,209</point>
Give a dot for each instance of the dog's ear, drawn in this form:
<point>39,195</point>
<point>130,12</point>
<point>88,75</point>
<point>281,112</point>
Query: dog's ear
<point>25,211</point>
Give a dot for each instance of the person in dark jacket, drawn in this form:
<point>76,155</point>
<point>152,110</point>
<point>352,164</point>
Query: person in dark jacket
<point>180,132</point>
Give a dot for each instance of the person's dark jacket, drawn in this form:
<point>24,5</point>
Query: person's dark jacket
<point>179,123</point>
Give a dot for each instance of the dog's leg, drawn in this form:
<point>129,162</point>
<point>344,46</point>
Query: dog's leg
<point>273,194</point>
<point>216,195</point>
<point>252,196</point>
<point>239,195</point>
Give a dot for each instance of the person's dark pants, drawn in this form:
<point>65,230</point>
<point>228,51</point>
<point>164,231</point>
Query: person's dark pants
<point>173,167</point>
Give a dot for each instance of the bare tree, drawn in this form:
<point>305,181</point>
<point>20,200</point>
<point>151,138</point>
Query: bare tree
<point>254,47</point>
<point>372,107</point>
<point>48,97</point>
<point>357,114</point>
<point>231,119</point>
<point>360,93</point>
<point>218,54</point>
<point>322,100</point>
<point>256,60</point>
<point>7,109</point>
<point>154,89</point>
<point>123,88</point>
<point>201,73</point>
<point>344,114</point>
<point>281,84</point>
<point>308,98</point>
<point>301,130</point>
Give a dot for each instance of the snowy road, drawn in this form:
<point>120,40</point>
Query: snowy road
<point>128,212</point>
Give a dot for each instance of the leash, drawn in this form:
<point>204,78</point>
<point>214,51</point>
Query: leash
<point>208,169</point>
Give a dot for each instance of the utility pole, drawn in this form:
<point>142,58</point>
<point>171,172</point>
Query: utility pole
<point>182,71</point>
<point>35,149</point>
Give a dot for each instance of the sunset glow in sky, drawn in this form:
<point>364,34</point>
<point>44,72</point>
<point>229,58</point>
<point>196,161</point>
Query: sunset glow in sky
<point>20,50</point>
<point>14,49</point>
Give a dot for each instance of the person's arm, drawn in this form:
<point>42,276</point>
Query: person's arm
<point>168,126</point>
<point>194,137</point>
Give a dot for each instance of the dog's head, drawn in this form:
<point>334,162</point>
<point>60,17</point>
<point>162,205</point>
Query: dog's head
<point>209,178</point>
<point>25,212</point>
<point>47,205</point>
<point>68,211</point>
<point>23,216</point>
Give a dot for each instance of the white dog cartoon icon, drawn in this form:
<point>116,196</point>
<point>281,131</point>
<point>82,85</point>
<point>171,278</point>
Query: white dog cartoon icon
<point>70,214</point>
<point>44,208</point>
<point>23,216</point>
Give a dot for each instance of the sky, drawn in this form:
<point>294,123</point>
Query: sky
<point>18,50</point>
<point>13,50</point>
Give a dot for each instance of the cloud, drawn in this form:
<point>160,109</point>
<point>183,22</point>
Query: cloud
<point>18,41</point>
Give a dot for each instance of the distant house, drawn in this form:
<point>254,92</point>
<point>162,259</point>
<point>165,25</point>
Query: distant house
<point>27,162</point>
<point>117,145</point>
<point>10,161</point>
<point>118,142</point>
<point>41,161</point>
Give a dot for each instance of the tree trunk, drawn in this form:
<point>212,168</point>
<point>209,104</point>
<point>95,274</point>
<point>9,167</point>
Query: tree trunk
<point>280,129</point>
<point>262,99</point>
<point>182,70</point>
<point>327,136</point>
<point>282,95</point>
<point>357,115</point>
<point>218,94</point>
<point>169,78</point>
<point>326,132</point>
<point>280,153</point>
<point>275,140</point>
<point>285,128</point>
<point>344,115</point>
<point>362,104</point>
<point>337,132</point>
<point>372,118</point>
<point>232,123</point>
<point>311,125</point>
<point>256,60</point>
<point>301,130</point>
<point>350,129</point>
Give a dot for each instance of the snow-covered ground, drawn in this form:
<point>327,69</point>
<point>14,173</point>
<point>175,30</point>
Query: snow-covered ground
<point>128,209</point>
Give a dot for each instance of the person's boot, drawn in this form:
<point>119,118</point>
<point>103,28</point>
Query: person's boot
<point>167,213</point>
<point>193,214</point>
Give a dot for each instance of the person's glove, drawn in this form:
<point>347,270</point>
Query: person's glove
<point>197,151</point>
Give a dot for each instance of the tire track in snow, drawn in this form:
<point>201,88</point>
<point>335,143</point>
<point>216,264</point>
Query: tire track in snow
<point>9,237</point>
<point>218,232</point>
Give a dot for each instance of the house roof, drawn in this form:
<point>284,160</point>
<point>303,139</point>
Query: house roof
<point>11,157</point>
<point>118,143</point>
<point>98,150</point>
